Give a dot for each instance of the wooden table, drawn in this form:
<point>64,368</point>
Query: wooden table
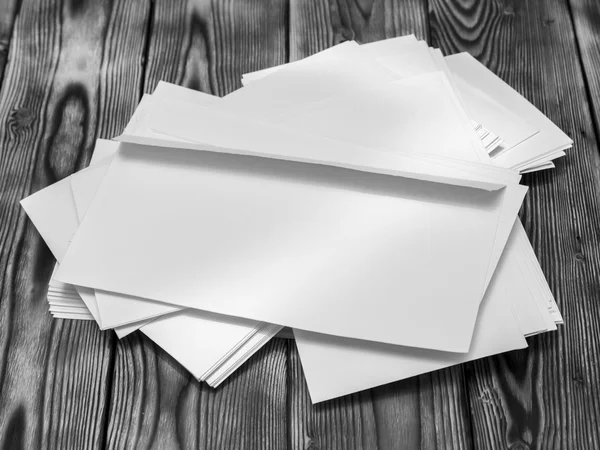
<point>74,71</point>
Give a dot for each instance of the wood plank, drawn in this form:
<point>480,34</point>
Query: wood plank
<point>71,80</point>
<point>207,46</point>
<point>586,20</point>
<point>344,423</point>
<point>426,412</point>
<point>445,419</point>
<point>10,9</point>
<point>204,46</point>
<point>546,396</point>
<point>156,403</point>
<point>315,26</point>
<point>421,412</point>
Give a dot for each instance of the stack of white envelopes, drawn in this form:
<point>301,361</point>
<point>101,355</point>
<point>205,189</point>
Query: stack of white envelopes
<point>366,197</point>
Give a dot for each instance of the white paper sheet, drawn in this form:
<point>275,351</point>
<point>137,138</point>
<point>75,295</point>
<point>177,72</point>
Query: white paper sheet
<point>500,120</point>
<point>549,139</point>
<point>403,116</point>
<point>324,74</point>
<point>335,366</point>
<point>71,316</point>
<point>198,340</point>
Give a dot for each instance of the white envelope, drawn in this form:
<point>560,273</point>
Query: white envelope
<point>248,214</point>
<point>206,131</point>
<point>81,209</point>
<point>119,309</point>
<point>138,127</point>
<point>157,305</point>
<point>115,311</point>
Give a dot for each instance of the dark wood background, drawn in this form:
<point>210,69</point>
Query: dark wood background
<point>74,71</point>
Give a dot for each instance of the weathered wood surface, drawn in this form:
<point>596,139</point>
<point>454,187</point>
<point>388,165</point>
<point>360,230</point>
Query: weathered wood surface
<point>74,71</point>
<point>549,395</point>
<point>73,75</point>
<point>9,10</point>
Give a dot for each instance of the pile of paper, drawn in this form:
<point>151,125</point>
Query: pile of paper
<point>365,197</point>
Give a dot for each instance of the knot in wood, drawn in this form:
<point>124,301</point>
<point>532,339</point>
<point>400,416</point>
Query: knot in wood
<point>21,118</point>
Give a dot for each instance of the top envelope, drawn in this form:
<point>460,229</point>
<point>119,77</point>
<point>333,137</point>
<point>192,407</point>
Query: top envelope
<point>310,246</point>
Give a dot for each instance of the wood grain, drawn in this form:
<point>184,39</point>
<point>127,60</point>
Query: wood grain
<point>204,46</point>
<point>207,46</point>
<point>10,9</point>
<point>73,72</point>
<point>315,26</point>
<point>344,423</point>
<point>426,412</point>
<point>586,20</point>
<point>546,396</point>
<point>156,403</point>
<point>421,412</point>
